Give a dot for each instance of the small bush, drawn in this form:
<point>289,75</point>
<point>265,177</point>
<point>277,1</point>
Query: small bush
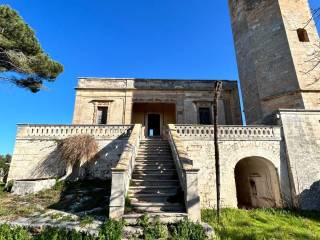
<point>9,186</point>
<point>13,233</point>
<point>185,230</point>
<point>155,230</point>
<point>143,221</point>
<point>50,233</point>
<point>111,230</point>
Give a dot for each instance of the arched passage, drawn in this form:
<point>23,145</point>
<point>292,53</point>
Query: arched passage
<point>257,183</point>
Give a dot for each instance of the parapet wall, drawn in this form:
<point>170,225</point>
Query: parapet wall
<point>35,153</point>
<point>235,143</point>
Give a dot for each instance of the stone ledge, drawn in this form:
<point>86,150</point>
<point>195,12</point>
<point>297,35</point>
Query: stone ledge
<point>23,187</point>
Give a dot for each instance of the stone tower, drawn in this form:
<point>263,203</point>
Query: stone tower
<point>276,42</point>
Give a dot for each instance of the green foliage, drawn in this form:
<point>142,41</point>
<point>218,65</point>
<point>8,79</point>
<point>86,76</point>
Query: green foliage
<point>111,230</point>
<point>4,164</point>
<point>8,186</point>
<point>127,206</point>
<point>50,233</point>
<point>186,230</point>
<point>13,233</point>
<point>264,224</point>
<point>59,186</point>
<point>20,52</point>
<point>143,221</point>
<point>153,230</point>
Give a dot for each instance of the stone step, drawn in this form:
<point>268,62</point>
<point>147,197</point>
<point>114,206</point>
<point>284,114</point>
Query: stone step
<point>153,189</point>
<point>155,176</point>
<point>164,217</point>
<point>155,171</point>
<point>153,155</point>
<point>154,167</point>
<point>155,197</point>
<point>153,162</point>
<point>157,207</point>
<point>155,158</point>
<point>154,147</point>
<point>154,152</point>
<point>141,182</point>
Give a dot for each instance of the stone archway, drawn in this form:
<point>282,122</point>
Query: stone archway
<point>257,183</point>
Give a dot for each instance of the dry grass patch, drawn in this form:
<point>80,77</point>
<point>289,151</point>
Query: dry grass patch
<point>13,206</point>
<point>76,152</point>
<point>77,148</point>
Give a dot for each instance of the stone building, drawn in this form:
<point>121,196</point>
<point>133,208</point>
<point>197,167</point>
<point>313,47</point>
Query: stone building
<point>154,103</point>
<point>156,136</point>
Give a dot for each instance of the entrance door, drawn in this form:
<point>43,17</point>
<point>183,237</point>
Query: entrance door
<point>153,125</point>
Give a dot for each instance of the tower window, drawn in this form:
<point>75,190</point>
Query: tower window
<point>102,115</point>
<point>303,35</point>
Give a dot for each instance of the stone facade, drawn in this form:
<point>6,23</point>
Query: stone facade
<point>235,144</point>
<point>301,130</point>
<point>274,65</point>
<point>121,95</point>
<point>261,166</point>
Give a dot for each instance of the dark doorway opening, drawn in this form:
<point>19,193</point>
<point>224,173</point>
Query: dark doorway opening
<point>153,125</point>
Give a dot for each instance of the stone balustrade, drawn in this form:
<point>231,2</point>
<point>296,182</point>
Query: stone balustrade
<point>188,175</point>
<point>122,174</point>
<point>39,131</point>
<point>206,132</point>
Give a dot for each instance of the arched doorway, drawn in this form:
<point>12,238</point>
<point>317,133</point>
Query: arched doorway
<point>257,183</point>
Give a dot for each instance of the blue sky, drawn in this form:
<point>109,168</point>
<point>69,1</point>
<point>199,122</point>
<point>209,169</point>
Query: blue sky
<point>188,39</point>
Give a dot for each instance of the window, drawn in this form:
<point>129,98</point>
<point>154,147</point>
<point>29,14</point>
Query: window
<point>102,114</point>
<point>303,35</point>
<point>204,116</point>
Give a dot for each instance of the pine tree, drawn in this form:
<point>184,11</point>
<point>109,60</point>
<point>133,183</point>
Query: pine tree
<point>22,60</point>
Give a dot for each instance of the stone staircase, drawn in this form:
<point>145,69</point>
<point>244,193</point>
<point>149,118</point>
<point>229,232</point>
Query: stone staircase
<point>155,187</point>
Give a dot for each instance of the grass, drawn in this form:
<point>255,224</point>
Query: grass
<point>263,224</point>
<point>13,206</point>
<point>86,220</point>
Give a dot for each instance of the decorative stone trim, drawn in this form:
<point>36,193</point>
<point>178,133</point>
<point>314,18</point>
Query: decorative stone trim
<point>36,131</point>
<point>232,133</point>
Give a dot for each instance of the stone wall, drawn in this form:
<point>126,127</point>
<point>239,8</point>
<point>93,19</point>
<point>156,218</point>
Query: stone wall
<point>36,156</point>
<point>301,130</point>
<point>235,143</point>
<point>119,95</point>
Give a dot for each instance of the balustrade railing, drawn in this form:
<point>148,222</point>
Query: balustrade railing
<point>206,132</point>
<point>63,131</point>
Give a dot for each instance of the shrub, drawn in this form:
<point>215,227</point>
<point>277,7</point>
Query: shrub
<point>155,230</point>
<point>9,186</point>
<point>50,233</point>
<point>111,230</point>
<point>13,233</point>
<point>185,230</point>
